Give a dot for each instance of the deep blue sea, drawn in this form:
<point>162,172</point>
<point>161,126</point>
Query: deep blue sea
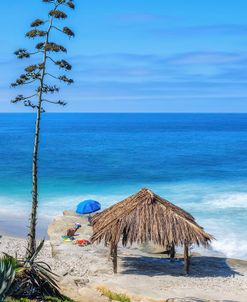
<point>197,161</point>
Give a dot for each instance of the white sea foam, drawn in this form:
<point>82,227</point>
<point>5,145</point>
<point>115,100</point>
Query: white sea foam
<point>223,214</point>
<point>226,200</point>
<point>225,195</point>
<point>58,204</point>
<point>12,206</point>
<point>230,234</point>
<point>231,246</point>
<point>14,211</point>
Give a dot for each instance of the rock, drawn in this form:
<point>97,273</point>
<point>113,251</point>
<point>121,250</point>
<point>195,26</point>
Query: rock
<point>59,226</point>
<point>81,282</point>
<point>69,213</point>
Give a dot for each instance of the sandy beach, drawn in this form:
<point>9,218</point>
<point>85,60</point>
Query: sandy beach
<point>142,276</point>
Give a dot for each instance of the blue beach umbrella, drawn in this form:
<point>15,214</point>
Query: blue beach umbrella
<point>88,206</point>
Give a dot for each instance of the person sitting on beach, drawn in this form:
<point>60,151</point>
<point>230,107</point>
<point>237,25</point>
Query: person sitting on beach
<point>72,231</point>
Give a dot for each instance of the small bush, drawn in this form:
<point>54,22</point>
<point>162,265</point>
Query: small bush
<point>113,296</point>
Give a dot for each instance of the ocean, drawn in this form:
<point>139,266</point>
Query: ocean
<point>197,161</point>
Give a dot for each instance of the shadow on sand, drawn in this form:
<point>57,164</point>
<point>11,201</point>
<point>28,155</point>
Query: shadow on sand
<point>199,267</point>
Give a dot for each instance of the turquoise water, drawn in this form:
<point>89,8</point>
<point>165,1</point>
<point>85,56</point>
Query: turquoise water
<point>197,161</point>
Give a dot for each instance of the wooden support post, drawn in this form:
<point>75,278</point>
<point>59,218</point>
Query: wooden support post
<point>114,258</point>
<point>186,258</point>
<point>110,251</point>
<point>172,252</point>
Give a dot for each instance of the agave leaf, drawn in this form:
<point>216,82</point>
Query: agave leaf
<point>38,249</point>
<point>43,263</point>
<point>7,274</point>
<point>39,277</point>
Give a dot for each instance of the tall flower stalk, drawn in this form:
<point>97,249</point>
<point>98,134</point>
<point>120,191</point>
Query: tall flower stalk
<point>38,76</point>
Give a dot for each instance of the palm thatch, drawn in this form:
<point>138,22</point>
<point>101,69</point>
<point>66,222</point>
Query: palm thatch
<point>144,217</point>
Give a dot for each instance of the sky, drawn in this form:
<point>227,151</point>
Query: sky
<point>137,55</point>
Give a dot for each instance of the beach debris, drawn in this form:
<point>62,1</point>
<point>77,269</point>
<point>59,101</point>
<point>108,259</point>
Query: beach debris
<point>82,242</point>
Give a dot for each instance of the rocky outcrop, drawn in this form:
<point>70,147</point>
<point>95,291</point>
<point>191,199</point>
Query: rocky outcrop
<point>77,265</point>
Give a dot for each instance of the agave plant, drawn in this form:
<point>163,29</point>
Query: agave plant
<point>7,274</point>
<point>34,278</point>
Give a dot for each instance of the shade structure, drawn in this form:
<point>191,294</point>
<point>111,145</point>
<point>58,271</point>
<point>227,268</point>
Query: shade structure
<point>88,206</point>
<point>144,217</point>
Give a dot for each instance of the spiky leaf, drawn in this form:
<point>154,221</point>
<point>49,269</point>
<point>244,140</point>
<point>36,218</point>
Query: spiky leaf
<point>7,274</point>
<point>35,278</point>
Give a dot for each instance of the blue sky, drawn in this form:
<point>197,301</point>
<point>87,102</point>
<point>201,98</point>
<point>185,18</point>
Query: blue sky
<point>139,56</point>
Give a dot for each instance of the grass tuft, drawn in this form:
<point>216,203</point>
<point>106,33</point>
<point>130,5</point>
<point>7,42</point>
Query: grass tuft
<point>112,296</point>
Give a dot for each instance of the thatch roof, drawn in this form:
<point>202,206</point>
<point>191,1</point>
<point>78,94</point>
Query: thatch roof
<point>144,217</point>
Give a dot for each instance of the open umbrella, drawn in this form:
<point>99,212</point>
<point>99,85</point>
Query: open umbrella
<point>88,206</point>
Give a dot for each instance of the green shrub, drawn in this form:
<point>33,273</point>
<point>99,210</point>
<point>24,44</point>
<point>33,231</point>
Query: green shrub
<point>34,278</point>
<point>113,296</point>
<point>28,280</point>
<point>7,274</point>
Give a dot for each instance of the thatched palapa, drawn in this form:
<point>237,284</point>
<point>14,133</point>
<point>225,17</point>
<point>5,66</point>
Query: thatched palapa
<point>145,217</point>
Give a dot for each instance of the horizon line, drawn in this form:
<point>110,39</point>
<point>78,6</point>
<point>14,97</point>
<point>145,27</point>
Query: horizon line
<point>125,112</point>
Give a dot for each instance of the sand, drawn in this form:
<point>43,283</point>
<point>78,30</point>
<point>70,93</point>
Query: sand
<point>144,277</point>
